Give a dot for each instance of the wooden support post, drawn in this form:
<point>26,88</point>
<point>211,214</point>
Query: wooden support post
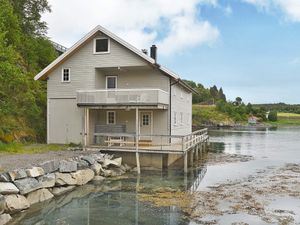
<point>197,152</point>
<point>137,141</point>
<point>85,128</point>
<point>191,157</point>
<point>185,162</point>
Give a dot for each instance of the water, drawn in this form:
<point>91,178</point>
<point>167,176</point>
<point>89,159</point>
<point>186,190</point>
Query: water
<point>117,201</point>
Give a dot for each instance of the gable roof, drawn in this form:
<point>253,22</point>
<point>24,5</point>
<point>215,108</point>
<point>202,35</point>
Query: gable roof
<point>44,73</point>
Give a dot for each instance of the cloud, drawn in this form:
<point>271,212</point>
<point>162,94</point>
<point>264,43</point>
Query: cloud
<point>228,10</point>
<point>174,25</point>
<point>289,8</point>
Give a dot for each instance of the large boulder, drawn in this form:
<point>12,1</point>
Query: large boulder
<point>67,166</point>
<point>4,218</point>
<point>39,196</point>
<point>82,164</point>
<point>8,188</point>
<point>50,166</point>
<point>83,176</point>
<point>61,190</point>
<point>4,177</point>
<point>99,178</point>
<point>2,204</point>
<point>17,174</point>
<point>27,185</point>
<point>15,203</point>
<point>35,172</point>
<point>97,168</point>
<point>90,159</point>
<point>62,179</point>
<point>47,180</point>
<point>114,162</point>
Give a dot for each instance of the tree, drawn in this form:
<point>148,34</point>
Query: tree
<point>273,116</point>
<point>238,100</point>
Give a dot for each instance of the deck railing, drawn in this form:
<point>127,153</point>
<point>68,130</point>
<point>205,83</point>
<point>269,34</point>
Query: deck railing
<point>123,97</point>
<point>149,143</point>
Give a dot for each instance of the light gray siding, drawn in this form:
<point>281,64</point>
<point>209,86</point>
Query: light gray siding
<point>65,121</point>
<point>181,104</point>
<point>82,65</point>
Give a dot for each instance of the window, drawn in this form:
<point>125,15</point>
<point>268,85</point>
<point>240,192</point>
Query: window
<point>146,120</point>
<point>111,117</point>
<point>111,82</point>
<point>175,118</point>
<point>101,45</point>
<point>181,118</point>
<point>65,75</point>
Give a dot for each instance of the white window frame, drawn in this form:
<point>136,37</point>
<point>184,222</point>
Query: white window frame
<point>110,76</point>
<point>62,75</point>
<point>107,117</point>
<point>108,46</point>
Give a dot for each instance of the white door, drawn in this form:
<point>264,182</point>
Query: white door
<point>145,125</point>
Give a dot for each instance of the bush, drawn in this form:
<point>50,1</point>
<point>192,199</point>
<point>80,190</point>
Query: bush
<point>273,116</point>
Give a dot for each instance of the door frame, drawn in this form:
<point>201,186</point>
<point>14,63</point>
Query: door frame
<point>151,121</point>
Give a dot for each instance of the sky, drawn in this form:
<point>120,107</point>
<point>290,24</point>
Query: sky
<point>250,48</point>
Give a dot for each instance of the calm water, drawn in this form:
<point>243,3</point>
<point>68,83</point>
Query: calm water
<point>116,202</point>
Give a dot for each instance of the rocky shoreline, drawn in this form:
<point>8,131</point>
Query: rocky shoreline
<point>22,188</point>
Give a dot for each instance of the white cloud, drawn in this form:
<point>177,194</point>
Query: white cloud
<point>290,8</point>
<point>228,10</point>
<point>173,24</point>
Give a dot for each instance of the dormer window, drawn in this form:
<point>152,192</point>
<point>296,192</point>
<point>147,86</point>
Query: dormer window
<point>101,45</point>
<point>65,75</point>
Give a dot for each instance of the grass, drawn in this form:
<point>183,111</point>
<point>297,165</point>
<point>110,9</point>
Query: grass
<point>287,119</point>
<point>17,148</point>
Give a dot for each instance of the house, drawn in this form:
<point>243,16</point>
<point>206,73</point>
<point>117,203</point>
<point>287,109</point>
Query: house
<point>252,120</point>
<point>105,92</point>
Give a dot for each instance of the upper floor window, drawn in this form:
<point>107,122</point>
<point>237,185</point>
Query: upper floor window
<point>111,82</point>
<point>101,45</point>
<point>66,75</point>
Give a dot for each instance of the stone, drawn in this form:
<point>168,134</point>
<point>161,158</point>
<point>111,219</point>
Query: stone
<point>27,185</point>
<point>50,166</point>
<point>4,218</point>
<point>67,166</point>
<point>82,164</point>
<point>2,204</point>
<point>99,178</point>
<point>62,179</point>
<point>15,203</point>
<point>106,173</point>
<point>127,168</point>
<point>47,180</point>
<point>116,172</point>
<point>4,177</point>
<point>40,195</point>
<point>17,174</point>
<point>89,159</point>
<point>35,172</point>
<point>8,188</point>
<point>83,176</point>
<point>61,190</point>
<point>115,162</point>
<point>96,168</point>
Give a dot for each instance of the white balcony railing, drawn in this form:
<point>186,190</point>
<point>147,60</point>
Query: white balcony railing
<point>123,97</point>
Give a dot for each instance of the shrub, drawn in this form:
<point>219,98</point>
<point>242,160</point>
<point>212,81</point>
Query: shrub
<point>273,116</point>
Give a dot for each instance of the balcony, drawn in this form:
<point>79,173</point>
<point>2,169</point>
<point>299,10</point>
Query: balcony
<point>123,97</point>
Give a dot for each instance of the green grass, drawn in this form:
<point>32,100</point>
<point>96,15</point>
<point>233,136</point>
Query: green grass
<point>17,148</point>
<point>286,119</point>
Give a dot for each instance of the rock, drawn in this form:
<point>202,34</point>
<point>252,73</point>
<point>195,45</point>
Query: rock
<point>96,168</point>
<point>67,166</point>
<point>8,188</point>
<point>47,180</point>
<point>50,166</point>
<point>2,204</point>
<point>89,159</point>
<point>62,179</point>
<point>35,172</point>
<point>115,162</point>
<point>39,196</point>
<point>127,168</point>
<point>82,164</point>
<point>116,172</point>
<point>123,168</point>
<point>4,219</point>
<point>99,178</point>
<point>27,185</point>
<point>17,174</point>
<point>106,173</point>
<point>61,190</point>
<point>83,176</point>
<point>4,177</point>
<point>15,203</point>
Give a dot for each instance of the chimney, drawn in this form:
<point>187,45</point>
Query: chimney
<point>145,51</point>
<point>153,52</point>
